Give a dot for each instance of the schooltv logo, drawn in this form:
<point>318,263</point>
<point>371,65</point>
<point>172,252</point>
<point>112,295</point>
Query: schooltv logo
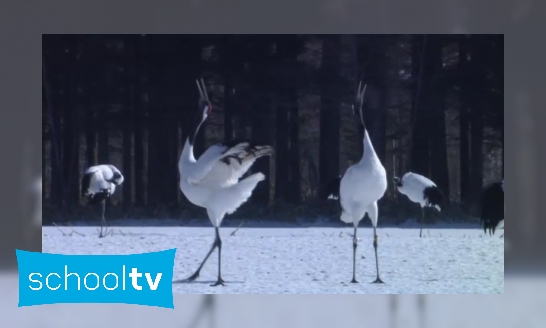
<point>141,279</point>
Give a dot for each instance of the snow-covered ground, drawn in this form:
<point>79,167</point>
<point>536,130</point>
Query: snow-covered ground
<point>311,260</point>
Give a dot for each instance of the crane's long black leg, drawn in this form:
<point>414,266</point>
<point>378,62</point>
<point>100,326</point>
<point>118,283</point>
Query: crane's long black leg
<point>103,221</point>
<point>422,220</point>
<point>378,280</point>
<point>355,244</point>
<point>196,274</point>
<point>421,308</point>
<point>219,243</point>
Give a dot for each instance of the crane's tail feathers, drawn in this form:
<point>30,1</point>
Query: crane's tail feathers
<point>434,197</point>
<point>86,182</point>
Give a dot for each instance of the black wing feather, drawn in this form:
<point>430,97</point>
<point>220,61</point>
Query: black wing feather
<point>86,182</point>
<point>433,195</point>
<point>250,151</point>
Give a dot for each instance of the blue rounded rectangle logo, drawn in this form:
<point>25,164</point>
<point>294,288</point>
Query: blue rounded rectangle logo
<point>140,279</point>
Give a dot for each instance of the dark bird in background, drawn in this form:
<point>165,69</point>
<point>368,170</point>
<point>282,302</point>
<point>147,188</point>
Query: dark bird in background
<point>492,214</point>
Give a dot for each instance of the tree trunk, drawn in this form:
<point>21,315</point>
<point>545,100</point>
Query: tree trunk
<point>228,110</point>
<point>282,164</point>
<point>127,162</point>
<point>51,91</point>
<point>140,122</point>
<point>438,141</point>
<point>156,152</point>
<point>103,135</point>
<point>464,142</point>
<point>90,137</point>
<point>140,191</point>
<point>70,125</point>
<point>128,123</point>
<point>375,111</point>
<point>70,153</point>
<point>165,82</point>
<point>478,61</point>
<point>170,181</point>
<point>261,134</point>
<point>420,148</point>
<point>228,58</point>
<point>329,110</point>
<point>103,104</point>
<point>156,141</point>
<point>295,174</point>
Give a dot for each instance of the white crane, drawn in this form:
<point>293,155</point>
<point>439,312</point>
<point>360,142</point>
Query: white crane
<point>362,185</point>
<point>492,214</point>
<point>420,190</point>
<point>213,182</point>
<point>99,183</point>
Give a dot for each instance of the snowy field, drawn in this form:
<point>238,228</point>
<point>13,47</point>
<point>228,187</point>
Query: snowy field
<point>311,260</point>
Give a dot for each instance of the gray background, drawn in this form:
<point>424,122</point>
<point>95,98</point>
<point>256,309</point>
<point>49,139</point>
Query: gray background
<point>22,24</point>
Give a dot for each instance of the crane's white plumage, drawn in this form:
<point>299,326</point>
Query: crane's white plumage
<point>214,180</point>
<point>362,185</point>
<point>420,190</point>
<point>99,183</point>
<point>101,179</point>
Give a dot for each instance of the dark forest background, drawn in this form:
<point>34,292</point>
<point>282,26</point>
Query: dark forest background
<point>433,105</point>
